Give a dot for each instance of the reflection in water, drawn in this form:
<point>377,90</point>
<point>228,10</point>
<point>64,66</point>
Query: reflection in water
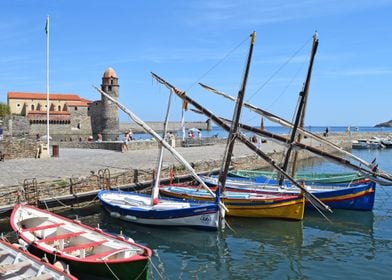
<point>254,248</point>
<point>355,245</point>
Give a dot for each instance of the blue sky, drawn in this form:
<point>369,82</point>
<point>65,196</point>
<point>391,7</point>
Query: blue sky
<point>187,42</point>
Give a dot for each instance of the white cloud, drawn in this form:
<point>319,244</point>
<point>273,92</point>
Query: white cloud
<point>264,12</point>
<point>358,72</point>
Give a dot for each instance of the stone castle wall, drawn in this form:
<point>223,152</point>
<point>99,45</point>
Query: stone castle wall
<point>16,147</point>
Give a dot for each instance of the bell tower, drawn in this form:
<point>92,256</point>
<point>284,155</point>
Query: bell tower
<point>110,119</point>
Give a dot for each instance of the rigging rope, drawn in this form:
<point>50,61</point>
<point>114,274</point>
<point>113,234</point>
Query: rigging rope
<point>280,68</point>
<point>288,85</point>
<point>218,63</point>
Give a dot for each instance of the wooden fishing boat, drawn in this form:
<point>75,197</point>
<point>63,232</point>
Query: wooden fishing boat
<point>357,196</point>
<point>135,207</point>
<point>84,249</point>
<point>248,205</point>
<point>309,178</point>
<point>151,210</point>
<point>241,204</point>
<point>18,264</point>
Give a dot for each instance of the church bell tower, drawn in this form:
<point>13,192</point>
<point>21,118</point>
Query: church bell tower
<point>110,119</point>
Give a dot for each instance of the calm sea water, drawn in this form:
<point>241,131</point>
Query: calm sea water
<point>217,131</point>
<point>354,245</point>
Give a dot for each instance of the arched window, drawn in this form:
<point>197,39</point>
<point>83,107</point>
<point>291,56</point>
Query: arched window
<point>59,108</point>
<point>32,107</point>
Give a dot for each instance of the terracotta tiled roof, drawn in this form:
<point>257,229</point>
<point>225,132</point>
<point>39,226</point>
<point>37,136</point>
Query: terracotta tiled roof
<point>50,112</point>
<point>80,103</point>
<point>53,115</point>
<point>42,96</point>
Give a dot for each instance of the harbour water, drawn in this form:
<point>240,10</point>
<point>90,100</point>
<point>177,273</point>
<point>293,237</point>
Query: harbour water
<point>352,245</point>
<point>218,132</point>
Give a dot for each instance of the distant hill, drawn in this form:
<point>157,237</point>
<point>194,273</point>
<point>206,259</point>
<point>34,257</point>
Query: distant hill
<point>384,124</point>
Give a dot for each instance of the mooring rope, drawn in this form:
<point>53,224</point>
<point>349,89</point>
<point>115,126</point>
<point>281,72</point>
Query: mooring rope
<point>156,269</point>
<point>111,271</point>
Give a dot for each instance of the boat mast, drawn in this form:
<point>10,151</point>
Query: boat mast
<point>336,159</point>
<point>236,119</point>
<point>155,189</point>
<point>311,197</point>
<point>276,119</point>
<point>299,119</point>
<point>162,142</point>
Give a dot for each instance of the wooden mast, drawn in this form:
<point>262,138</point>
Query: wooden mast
<point>155,189</point>
<point>162,142</point>
<point>336,159</point>
<point>299,118</point>
<point>276,119</point>
<point>302,121</point>
<point>311,197</point>
<point>236,119</point>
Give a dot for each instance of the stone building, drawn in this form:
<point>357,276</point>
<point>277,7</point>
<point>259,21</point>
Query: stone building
<point>104,113</point>
<point>68,113</point>
<point>71,117</point>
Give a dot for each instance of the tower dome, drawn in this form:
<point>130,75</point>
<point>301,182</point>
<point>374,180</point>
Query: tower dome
<point>110,73</point>
<point>109,110</point>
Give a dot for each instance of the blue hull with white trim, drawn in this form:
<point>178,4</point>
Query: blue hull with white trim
<point>137,208</point>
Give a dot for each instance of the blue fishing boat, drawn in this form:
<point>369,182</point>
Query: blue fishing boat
<point>359,196</point>
<point>136,207</point>
<point>151,209</point>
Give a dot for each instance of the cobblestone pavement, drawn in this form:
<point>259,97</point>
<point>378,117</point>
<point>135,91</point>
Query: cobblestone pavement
<point>80,162</point>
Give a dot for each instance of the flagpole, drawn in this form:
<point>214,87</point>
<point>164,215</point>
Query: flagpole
<point>47,83</point>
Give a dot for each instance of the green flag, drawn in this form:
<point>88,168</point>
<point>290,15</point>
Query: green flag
<point>47,25</point>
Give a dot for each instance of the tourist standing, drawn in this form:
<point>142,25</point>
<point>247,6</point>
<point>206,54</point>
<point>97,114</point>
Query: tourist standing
<point>172,139</point>
<point>125,142</point>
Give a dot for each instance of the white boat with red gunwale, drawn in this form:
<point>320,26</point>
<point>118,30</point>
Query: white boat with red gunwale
<point>83,248</point>
<point>18,264</point>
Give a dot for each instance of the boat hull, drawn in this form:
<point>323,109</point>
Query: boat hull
<point>15,256</point>
<point>137,270</point>
<point>360,197</point>
<point>338,196</point>
<point>259,176</point>
<point>289,207</point>
<point>168,212</point>
<point>84,249</point>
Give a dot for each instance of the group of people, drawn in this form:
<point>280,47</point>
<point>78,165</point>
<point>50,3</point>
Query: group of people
<point>192,134</point>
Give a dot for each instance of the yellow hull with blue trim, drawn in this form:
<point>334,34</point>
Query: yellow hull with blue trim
<point>242,204</point>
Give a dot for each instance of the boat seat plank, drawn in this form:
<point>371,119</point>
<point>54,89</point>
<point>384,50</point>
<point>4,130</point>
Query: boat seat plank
<point>43,227</point>
<point>3,253</point>
<point>45,276</point>
<point>83,246</point>
<point>6,268</point>
<point>61,236</point>
<point>103,254</point>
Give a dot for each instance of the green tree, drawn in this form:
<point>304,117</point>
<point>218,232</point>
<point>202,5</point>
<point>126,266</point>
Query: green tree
<point>4,110</point>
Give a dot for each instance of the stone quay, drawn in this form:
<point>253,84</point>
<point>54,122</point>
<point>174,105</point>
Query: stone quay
<point>77,174</point>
